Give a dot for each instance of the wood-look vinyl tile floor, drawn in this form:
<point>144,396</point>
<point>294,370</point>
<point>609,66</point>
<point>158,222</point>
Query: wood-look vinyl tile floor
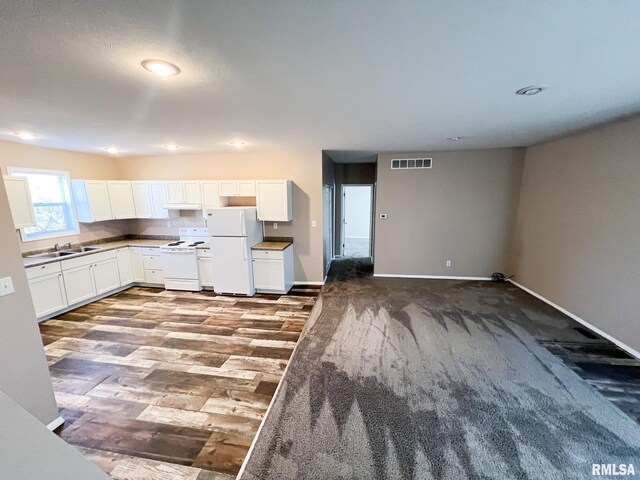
<point>157,384</point>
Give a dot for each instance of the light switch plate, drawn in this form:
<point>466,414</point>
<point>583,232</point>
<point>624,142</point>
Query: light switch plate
<point>6,286</point>
<point>314,223</point>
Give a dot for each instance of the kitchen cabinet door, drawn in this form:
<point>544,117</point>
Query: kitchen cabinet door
<point>79,285</point>
<point>158,191</point>
<point>136,264</point>
<point>91,198</point>
<point>175,191</point>
<point>121,199</point>
<point>106,276</point>
<point>206,272</point>
<point>210,196</point>
<point>274,200</point>
<point>142,199</point>
<point>192,192</point>
<point>246,188</point>
<point>268,274</point>
<point>154,276</point>
<point>20,202</point>
<point>228,188</point>
<point>125,267</point>
<point>48,294</point>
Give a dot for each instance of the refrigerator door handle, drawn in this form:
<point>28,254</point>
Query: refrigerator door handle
<point>244,249</point>
<point>242,228</point>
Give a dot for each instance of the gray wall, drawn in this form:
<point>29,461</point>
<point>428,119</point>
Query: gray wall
<point>577,239</point>
<point>24,375</point>
<point>28,451</point>
<point>462,209</point>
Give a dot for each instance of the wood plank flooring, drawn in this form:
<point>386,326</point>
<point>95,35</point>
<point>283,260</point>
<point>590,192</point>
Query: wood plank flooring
<point>157,384</point>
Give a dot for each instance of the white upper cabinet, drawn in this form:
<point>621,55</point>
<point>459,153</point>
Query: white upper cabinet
<point>142,199</point>
<point>158,192</point>
<point>121,198</point>
<point>92,200</point>
<point>246,188</point>
<point>237,188</point>
<point>274,200</point>
<point>210,195</point>
<point>192,192</point>
<point>184,192</point>
<point>20,201</point>
<point>175,191</point>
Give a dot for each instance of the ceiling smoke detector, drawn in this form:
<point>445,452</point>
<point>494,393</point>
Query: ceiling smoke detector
<point>531,90</point>
<point>454,139</point>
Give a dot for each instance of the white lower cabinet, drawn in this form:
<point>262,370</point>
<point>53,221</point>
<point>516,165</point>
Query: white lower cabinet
<point>125,266</point>
<point>136,264</point>
<point>205,267</point>
<point>47,289</point>
<point>78,283</point>
<point>152,264</point>
<point>106,276</point>
<point>273,270</point>
<point>154,276</point>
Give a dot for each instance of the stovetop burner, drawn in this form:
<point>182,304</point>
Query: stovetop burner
<point>175,244</point>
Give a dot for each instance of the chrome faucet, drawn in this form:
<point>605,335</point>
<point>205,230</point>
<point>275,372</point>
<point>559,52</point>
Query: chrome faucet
<point>56,248</point>
<point>67,246</point>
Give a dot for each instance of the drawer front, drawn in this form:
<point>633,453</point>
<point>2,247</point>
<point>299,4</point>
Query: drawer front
<point>152,262</point>
<point>42,270</point>
<point>88,259</point>
<point>150,251</point>
<point>204,252</point>
<point>153,276</point>
<point>269,254</point>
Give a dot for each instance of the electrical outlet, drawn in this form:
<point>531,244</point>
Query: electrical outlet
<point>314,223</point>
<point>383,216</point>
<point>6,286</point>
<point>275,225</point>
<point>448,263</point>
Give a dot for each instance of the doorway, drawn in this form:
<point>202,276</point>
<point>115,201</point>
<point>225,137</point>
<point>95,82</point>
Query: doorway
<point>357,207</point>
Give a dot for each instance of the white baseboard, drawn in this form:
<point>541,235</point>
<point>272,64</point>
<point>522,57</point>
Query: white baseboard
<point>623,346</point>
<point>308,283</point>
<point>431,277</point>
<point>55,424</point>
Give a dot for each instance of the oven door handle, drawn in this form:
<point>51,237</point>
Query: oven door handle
<point>168,250</point>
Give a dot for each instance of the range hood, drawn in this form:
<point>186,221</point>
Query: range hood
<point>183,206</point>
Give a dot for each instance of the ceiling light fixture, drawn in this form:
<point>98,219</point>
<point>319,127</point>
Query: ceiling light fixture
<point>161,68</point>
<point>531,90</point>
<point>25,135</point>
<point>237,144</point>
<point>112,150</point>
<point>454,139</point>
<point>172,147</point>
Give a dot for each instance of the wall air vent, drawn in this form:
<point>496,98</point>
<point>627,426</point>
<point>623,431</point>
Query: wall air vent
<point>410,163</point>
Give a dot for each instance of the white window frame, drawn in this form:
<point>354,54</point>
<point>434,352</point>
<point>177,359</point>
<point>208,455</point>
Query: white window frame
<point>16,171</point>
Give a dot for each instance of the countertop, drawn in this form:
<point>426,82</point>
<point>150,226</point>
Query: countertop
<point>155,243</point>
<point>271,245</point>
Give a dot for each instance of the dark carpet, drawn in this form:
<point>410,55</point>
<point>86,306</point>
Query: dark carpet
<point>433,379</point>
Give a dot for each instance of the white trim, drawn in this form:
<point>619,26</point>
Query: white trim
<point>309,283</point>
<point>430,277</point>
<point>55,424</point>
<point>626,348</point>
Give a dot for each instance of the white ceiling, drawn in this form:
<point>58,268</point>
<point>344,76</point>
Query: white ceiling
<point>364,75</point>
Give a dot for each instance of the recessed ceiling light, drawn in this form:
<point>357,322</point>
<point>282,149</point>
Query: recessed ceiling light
<point>531,90</point>
<point>112,150</point>
<point>25,135</point>
<point>161,68</point>
<point>237,143</point>
<point>172,147</point>
<point>454,139</point>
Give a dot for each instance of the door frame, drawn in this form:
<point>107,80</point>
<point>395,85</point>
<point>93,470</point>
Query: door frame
<point>342,204</point>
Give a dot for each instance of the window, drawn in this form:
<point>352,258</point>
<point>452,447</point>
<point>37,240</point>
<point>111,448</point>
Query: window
<point>51,203</point>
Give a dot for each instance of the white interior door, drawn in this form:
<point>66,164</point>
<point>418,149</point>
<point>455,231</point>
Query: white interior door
<point>356,220</point>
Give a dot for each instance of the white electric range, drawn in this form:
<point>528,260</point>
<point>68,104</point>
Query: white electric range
<point>180,260</point>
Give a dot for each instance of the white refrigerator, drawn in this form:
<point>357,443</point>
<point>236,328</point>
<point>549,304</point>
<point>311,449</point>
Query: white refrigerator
<point>233,231</point>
